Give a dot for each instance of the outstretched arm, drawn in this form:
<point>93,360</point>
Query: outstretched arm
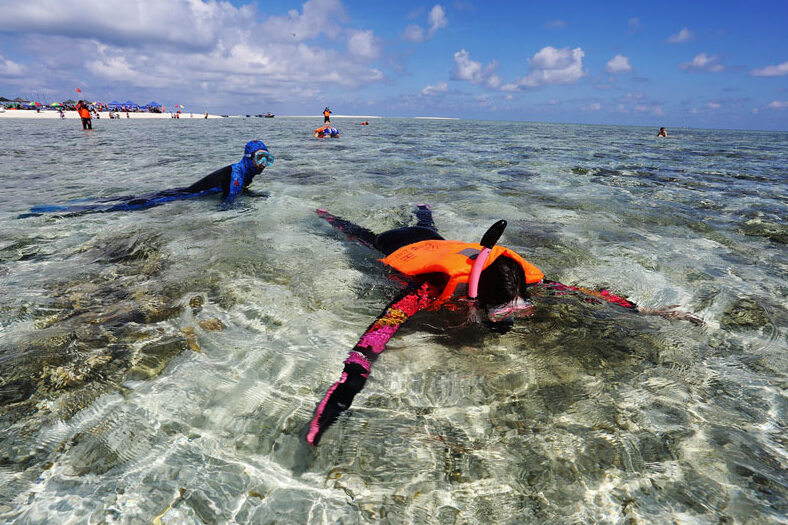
<point>668,312</point>
<point>233,185</point>
<point>359,363</point>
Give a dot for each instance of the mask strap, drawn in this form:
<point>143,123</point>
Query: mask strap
<point>488,241</point>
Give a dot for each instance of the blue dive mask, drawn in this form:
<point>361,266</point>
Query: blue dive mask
<point>262,158</point>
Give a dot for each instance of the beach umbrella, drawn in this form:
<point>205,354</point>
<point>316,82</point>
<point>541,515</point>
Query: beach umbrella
<point>56,104</point>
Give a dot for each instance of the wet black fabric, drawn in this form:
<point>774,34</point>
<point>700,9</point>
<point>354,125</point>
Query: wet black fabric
<point>217,179</point>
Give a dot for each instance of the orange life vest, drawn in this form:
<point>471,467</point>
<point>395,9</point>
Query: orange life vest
<point>326,113</point>
<point>453,258</point>
<point>323,131</point>
<point>84,112</point>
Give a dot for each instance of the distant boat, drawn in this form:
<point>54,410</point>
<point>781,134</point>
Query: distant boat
<point>269,115</point>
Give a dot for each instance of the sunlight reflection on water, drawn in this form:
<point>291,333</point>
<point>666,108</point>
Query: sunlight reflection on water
<point>162,364</point>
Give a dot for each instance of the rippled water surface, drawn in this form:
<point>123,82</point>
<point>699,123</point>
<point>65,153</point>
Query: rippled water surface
<point>159,366</point>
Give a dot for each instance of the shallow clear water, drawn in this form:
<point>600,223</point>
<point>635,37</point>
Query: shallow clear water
<point>159,366</point>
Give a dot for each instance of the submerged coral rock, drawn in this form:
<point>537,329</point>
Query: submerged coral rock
<point>745,314</point>
<point>16,391</point>
<point>196,303</point>
<point>154,357</point>
<point>191,339</point>
<point>773,231</point>
<point>211,325</point>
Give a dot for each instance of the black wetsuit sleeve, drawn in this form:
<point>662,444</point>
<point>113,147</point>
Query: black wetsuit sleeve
<point>218,179</point>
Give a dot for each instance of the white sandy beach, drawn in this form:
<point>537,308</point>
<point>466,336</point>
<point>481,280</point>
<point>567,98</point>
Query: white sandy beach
<point>48,114</point>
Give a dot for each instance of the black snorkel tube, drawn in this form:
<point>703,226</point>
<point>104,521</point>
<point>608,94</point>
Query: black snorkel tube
<point>489,239</point>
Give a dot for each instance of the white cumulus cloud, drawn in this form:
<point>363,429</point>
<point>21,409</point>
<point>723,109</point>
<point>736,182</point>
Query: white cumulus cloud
<point>637,103</point>
<point>685,35</point>
<point>548,66</point>
<point>439,88</point>
<point>618,64</point>
<point>780,70</point>
<point>193,48</point>
<point>703,62</point>
<point>436,20</point>
<point>473,71</point>
<point>414,33</point>
<point>364,44</point>
<point>317,16</point>
<point>112,21</point>
<point>9,68</point>
<point>554,66</point>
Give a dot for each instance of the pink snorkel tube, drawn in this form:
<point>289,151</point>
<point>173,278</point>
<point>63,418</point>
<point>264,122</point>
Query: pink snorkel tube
<point>488,241</point>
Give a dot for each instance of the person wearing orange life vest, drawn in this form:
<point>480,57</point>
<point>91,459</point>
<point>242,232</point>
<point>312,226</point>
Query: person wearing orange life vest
<point>491,280</point>
<point>84,114</point>
<point>327,131</point>
<point>493,277</point>
<point>326,115</point>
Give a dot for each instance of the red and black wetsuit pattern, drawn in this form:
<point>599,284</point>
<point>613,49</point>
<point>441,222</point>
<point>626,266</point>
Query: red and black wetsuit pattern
<point>359,363</point>
<point>595,296</point>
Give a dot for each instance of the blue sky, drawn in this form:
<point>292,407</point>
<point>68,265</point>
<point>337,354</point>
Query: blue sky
<point>717,64</point>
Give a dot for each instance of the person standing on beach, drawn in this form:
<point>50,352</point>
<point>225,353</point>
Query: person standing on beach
<point>84,114</point>
<point>326,115</point>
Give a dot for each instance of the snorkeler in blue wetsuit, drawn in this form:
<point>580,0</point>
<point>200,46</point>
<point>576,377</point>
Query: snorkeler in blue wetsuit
<point>229,180</point>
<point>235,178</point>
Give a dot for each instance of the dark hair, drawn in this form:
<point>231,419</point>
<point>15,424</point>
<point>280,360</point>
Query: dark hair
<point>501,282</point>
